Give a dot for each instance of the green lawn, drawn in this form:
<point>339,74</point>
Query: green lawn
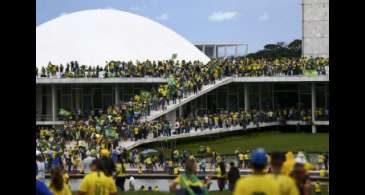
<point>271,141</point>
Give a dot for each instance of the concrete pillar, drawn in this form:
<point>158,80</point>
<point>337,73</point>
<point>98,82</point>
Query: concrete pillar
<point>247,99</point>
<point>313,89</point>
<point>171,117</point>
<point>39,101</point>
<point>236,51</point>
<point>181,111</point>
<point>54,102</point>
<point>203,49</point>
<point>273,96</point>
<point>225,51</point>
<point>260,96</point>
<point>299,99</point>
<point>215,55</point>
<point>325,96</point>
<point>116,95</point>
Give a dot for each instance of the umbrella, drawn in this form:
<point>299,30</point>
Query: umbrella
<point>148,152</point>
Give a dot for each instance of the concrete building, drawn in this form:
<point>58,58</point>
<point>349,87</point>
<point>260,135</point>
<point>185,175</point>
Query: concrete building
<point>92,37</point>
<point>216,50</point>
<point>315,28</point>
<point>93,94</point>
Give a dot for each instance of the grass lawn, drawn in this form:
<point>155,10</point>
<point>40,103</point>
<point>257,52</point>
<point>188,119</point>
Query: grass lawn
<point>271,141</point>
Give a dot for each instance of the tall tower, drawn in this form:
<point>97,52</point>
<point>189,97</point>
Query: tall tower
<point>315,28</point>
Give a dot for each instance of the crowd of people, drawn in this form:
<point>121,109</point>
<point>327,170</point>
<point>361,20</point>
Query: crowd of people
<point>274,174</point>
<point>110,169</point>
<point>106,129</point>
<point>101,131</point>
<point>215,67</point>
<point>184,78</point>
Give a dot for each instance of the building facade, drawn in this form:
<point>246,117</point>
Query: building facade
<point>245,93</point>
<point>315,28</point>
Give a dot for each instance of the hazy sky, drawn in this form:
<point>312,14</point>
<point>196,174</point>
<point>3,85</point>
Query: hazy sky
<point>256,22</point>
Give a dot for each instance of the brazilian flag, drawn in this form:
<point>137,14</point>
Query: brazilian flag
<point>310,73</point>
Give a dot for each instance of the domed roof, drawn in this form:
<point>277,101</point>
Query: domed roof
<point>93,37</point>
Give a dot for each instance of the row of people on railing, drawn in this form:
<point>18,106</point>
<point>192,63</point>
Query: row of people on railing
<point>227,67</point>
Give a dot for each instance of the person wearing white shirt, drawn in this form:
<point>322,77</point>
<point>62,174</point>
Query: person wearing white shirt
<point>86,162</point>
<point>41,167</point>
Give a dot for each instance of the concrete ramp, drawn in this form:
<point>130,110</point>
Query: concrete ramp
<point>205,89</point>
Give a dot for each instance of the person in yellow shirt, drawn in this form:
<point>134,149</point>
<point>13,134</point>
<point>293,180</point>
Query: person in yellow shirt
<point>320,161</point>
<point>170,165</point>
<point>317,188</point>
<point>286,184</point>
<point>155,189</point>
<point>241,160</point>
<point>176,170</point>
<point>258,182</point>
<point>288,164</point>
<point>97,183</point>
<point>221,175</point>
<point>139,166</point>
<point>120,173</point>
<point>322,172</point>
<point>57,185</point>
<point>246,159</point>
<point>148,163</point>
<point>218,159</point>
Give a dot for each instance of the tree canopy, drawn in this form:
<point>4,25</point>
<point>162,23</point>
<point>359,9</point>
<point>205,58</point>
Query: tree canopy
<point>279,50</point>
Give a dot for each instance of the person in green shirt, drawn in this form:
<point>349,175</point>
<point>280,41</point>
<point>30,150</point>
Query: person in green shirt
<point>120,174</point>
<point>190,184</point>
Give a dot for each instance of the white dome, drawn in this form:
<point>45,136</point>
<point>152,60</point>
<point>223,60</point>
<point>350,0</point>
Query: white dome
<point>93,37</point>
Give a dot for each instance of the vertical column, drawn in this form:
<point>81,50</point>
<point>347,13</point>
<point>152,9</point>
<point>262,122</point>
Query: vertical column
<point>225,51</point>
<point>203,48</point>
<point>325,96</point>
<point>313,87</point>
<point>247,100</point>
<point>54,102</point>
<point>39,102</point>
<point>236,51</point>
<point>215,55</point>
<point>299,99</point>
<point>181,111</point>
<point>116,94</point>
<point>171,117</point>
<point>206,103</point>
<point>260,96</point>
<point>273,96</point>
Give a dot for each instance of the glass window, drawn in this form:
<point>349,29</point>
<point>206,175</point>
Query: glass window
<point>107,101</point>
<point>107,89</point>
<point>233,102</point>
<point>86,103</point>
<point>287,99</point>
<point>66,102</point>
<point>222,100</point>
<point>286,87</point>
<point>97,99</point>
